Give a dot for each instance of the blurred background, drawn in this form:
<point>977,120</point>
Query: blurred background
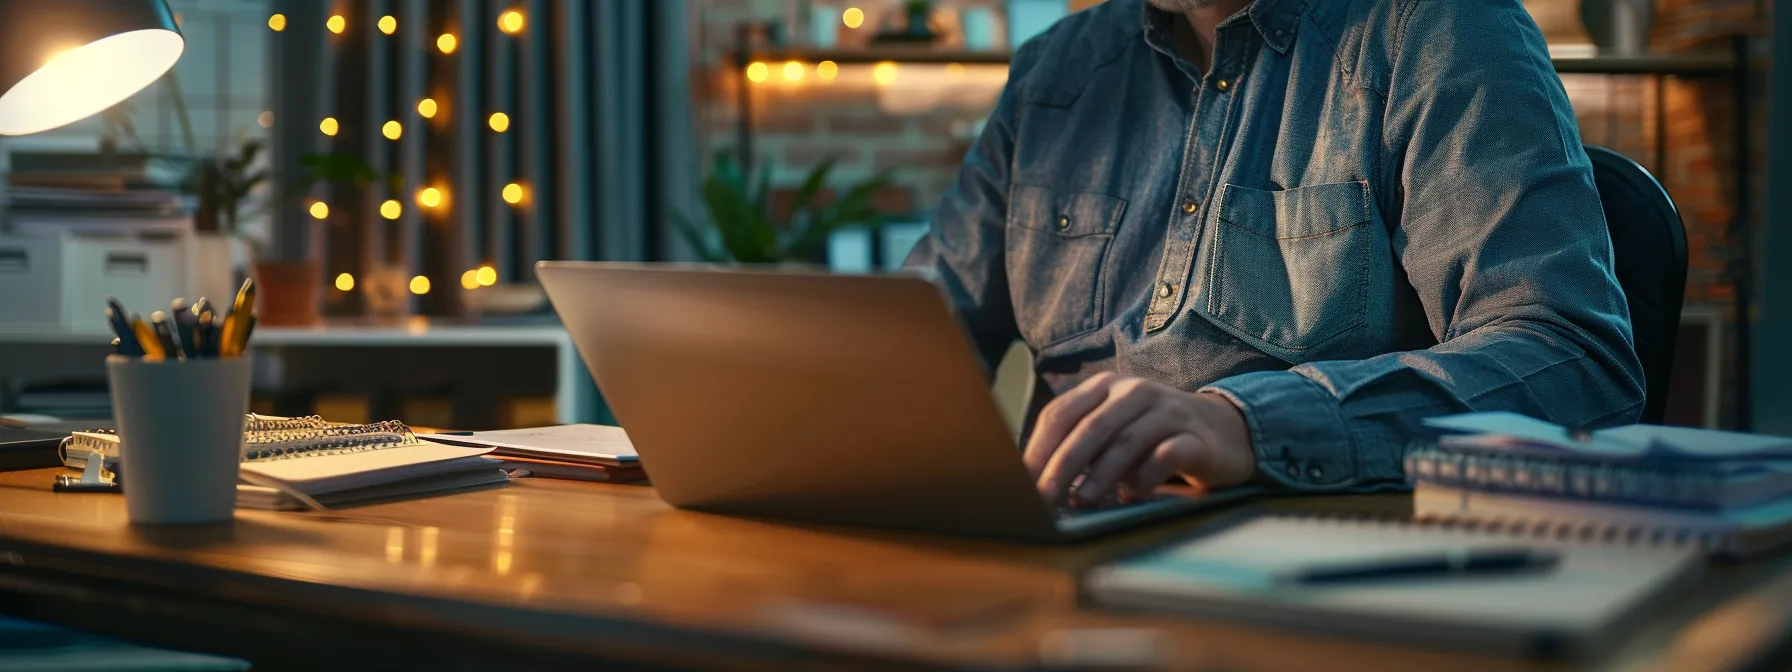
<point>389,171</point>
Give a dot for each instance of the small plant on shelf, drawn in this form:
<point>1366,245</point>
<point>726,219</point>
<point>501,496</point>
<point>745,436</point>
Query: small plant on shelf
<point>742,229</point>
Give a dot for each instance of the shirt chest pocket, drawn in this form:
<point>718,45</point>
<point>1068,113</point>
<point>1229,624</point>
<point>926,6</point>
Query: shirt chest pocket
<point>1290,269</point>
<point>1057,248</point>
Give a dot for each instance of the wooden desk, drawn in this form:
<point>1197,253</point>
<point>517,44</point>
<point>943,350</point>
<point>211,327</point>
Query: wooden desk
<point>545,573</point>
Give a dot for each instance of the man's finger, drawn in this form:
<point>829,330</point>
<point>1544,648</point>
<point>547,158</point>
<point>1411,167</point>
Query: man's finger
<point>1126,450</point>
<point>1125,403</point>
<point>1182,451</point>
<point>1059,417</point>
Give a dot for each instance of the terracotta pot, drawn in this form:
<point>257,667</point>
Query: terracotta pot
<point>288,293</point>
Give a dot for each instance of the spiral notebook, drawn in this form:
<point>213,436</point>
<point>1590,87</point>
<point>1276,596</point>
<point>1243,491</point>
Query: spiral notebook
<point>1580,607</point>
<point>297,463</point>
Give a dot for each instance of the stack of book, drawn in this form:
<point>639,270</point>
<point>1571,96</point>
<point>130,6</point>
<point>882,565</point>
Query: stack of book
<point>60,186</point>
<point>1728,492</point>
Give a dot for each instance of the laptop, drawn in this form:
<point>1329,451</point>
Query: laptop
<point>816,397</point>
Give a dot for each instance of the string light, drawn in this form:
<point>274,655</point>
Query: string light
<point>388,24</point>
<point>487,276</point>
<point>329,126</point>
<point>470,279</point>
<point>446,43</point>
<point>430,197</point>
<point>392,130</point>
<point>513,193</point>
<point>345,282</point>
<point>391,209</point>
<point>757,72</point>
<point>500,122</point>
<point>427,108</point>
<point>955,71</point>
<point>336,23</point>
<point>277,22</point>
<point>320,210</point>
<point>266,119</point>
<point>884,73</point>
<point>420,285</point>
<point>511,22</point>
<point>853,17</point>
<point>793,72</point>
<point>827,70</point>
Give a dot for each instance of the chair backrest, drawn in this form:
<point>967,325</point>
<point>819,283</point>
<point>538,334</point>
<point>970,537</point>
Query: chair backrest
<point>1649,245</point>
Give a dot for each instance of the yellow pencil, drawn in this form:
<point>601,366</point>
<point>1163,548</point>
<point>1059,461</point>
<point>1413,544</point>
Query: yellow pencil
<point>236,325</point>
<point>152,348</point>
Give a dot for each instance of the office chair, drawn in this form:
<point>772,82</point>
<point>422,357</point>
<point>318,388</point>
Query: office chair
<point>1649,246</point>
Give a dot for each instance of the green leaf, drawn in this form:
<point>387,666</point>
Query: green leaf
<point>693,235</point>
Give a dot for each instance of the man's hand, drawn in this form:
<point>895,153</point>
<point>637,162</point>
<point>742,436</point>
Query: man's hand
<point>1131,434</point>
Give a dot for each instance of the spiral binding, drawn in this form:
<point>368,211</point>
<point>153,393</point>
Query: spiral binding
<point>1584,532</point>
<point>1677,487</point>
<point>269,438</point>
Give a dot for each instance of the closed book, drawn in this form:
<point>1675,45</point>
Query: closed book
<point>1703,485</point>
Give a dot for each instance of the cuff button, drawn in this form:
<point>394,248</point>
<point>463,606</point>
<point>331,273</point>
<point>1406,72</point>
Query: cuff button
<point>1293,471</point>
<point>1316,473</point>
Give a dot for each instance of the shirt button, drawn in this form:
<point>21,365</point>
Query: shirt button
<point>1190,206</point>
<point>1316,473</point>
<point>1293,471</point>
<point>1223,85</point>
<point>1063,222</point>
<point>1164,290</point>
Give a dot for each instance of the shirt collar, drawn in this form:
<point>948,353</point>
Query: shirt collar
<point>1276,21</point>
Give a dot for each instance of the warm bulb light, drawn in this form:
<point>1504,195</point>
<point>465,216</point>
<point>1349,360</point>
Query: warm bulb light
<point>513,193</point>
<point>884,73</point>
<point>430,197</point>
<point>84,80</point>
<point>757,72</point>
<point>793,72</point>
<point>827,70</point>
<point>447,43</point>
<point>320,210</point>
<point>420,285</point>
<point>955,71</point>
<point>470,279</point>
<point>500,122</point>
<point>265,119</point>
<point>277,22</point>
<point>329,126</point>
<point>336,23</point>
<point>388,24</point>
<point>511,22</point>
<point>487,276</point>
<point>427,108</point>
<point>391,209</point>
<point>392,130</point>
<point>345,282</point>
<point>853,17</point>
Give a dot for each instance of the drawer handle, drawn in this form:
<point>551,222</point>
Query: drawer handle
<point>14,260</point>
<point>119,263</point>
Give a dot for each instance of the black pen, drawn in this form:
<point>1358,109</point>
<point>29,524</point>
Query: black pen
<point>165,335</point>
<point>1455,561</point>
<point>187,327</point>
<point>121,327</point>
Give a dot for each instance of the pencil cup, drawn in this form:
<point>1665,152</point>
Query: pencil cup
<point>180,430</point>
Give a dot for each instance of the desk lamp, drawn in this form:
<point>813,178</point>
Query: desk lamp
<point>62,61</point>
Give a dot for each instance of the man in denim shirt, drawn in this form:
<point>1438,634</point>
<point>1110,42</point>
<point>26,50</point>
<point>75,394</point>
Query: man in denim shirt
<point>1263,240</point>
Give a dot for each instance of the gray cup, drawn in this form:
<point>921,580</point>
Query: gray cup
<point>180,430</point>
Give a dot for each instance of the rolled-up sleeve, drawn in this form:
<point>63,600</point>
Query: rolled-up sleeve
<point>1500,231</point>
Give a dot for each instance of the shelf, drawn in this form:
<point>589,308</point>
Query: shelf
<point>1686,64</point>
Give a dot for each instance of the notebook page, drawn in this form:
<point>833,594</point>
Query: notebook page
<point>325,473</point>
<point>578,441</point>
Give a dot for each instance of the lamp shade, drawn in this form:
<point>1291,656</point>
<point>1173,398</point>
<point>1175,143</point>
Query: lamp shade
<point>62,61</point>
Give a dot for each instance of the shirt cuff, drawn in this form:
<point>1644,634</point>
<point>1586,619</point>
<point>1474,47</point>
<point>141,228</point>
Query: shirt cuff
<point>1297,430</point>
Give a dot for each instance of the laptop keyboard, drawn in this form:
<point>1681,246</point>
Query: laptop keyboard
<point>1079,509</point>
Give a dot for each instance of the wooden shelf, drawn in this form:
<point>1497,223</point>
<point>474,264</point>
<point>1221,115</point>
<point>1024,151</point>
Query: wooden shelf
<point>1683,64</point>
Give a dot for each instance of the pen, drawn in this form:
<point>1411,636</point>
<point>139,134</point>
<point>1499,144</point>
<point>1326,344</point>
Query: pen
<point>126,343</point>
<point>208,332</point>
<point>165,335</point>
<point>236,324</point>
<point>1455,561</point>
<point>146,337</point>
<point>121,327</point>
<point>186,326</point>
<point>115,343</point>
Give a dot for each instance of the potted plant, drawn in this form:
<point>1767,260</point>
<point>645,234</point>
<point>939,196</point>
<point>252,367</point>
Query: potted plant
<point>742,228</point>
<point>222,185</point>
<point>292,290</point>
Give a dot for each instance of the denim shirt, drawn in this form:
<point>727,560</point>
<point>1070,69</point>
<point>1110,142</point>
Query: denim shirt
<point>1365,213</point>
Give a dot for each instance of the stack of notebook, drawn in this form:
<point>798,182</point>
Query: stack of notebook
<point>1730,493</point>
<point>298,463</point>
<point>581,452</point>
